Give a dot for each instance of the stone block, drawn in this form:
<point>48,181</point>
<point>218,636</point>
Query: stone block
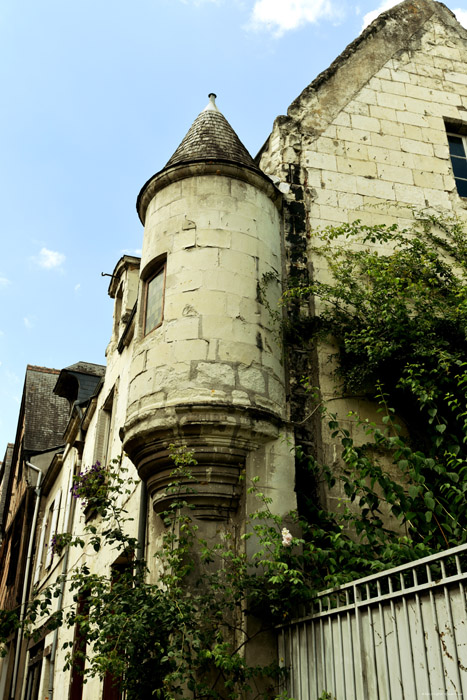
<point>413,133</point>
<point>252,379</point>
<point>160,354</point>
<point>437,198</point>
<point>184,280</point>
<point>409,194</point>
<point>405,117</point>
<point>182,329</point>
<point>276,393</point>
<point>233,260</point>
<point>342,119</point>
<point>351,134</point>
<point>393,173</point>
<point>240,398</point>
<point>365,123</point>
<point>430,180</point>
<point>340,182</point>
<point>220,327</point>
<point>324,161</point>
<point>455,77</point>
<point>325,144</point>
<point>384,74</point>
<point>356,167</point>
<point>357,107</point>
<point>349,201</point>
<point>190,350</point>
<point>215,238</point>
<point>334,214</point>
<point>383,113</point>
<point>214,374</point>
<point>358,151</point>
<point>184,239</point>
<point>375,188</point>
<point>228,282</point>
<point>391,100</point>
<point>385,141</point>
<point>328,197</point>
<point>431,165</point>
<point>238,352</point>
<point>367,95</point>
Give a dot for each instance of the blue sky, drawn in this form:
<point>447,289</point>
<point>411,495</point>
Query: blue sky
<point>95,98</point>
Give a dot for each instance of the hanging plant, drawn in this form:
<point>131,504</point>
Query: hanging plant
<point>59,541</point>
<point>91,486</point>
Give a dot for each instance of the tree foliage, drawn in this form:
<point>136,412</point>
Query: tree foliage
<point>393,304</point>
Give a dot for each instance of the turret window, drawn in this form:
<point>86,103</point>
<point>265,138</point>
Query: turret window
<point>154,303</point>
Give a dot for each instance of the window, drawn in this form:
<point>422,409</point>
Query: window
<point>458,152</point>
<point>103,439</point>
<point>154,301</point>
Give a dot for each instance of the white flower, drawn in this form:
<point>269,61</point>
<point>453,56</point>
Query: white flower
<point>286,537</point>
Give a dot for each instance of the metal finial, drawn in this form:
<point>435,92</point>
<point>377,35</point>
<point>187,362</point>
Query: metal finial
<point>211,107</point>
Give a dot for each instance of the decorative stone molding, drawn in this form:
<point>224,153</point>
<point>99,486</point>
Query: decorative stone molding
<point>220,437</point>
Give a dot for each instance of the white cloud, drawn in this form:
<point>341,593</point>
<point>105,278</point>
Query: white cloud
<point>461,16</point>
<point>50,258</point>
<point>28,322</point>
<point>280,16</point>
<point>77,287</point>
<point>4,282</point>
<point>135,251</point>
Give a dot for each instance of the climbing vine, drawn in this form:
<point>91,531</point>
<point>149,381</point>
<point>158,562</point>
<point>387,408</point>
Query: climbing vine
<point>393,304</point>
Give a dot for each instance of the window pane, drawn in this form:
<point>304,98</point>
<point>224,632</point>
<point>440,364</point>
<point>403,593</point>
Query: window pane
<point>459,166</point>
<point>456,146</point>
<point>154,295</point>
<point>461,187</point>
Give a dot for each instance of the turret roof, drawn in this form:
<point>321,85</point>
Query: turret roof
<point>211,138</point>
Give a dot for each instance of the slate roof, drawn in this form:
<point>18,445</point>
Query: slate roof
<point>79,381</point>
<point>211,138</point>
<point>5,470</point>
<point>45,414</point>
<point>87,368</point>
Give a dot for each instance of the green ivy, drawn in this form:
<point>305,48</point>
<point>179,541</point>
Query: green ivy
<point>394,307</point>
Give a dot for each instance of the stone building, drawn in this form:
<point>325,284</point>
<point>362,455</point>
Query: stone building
<point>193,358</point>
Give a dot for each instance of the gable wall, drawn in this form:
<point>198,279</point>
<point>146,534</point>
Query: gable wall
<point>381,155</point>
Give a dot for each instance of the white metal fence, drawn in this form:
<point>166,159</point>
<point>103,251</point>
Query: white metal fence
<point>397,635</point>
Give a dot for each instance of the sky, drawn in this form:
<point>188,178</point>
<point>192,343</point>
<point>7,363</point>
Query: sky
<point>95,98</point>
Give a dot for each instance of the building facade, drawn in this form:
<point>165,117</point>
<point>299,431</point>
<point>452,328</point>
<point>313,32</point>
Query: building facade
<point>193,358</point>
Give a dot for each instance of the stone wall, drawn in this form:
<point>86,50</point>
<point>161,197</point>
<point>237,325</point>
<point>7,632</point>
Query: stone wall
<point>367,141</point>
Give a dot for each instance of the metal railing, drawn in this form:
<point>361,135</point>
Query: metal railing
<point>400,634</point>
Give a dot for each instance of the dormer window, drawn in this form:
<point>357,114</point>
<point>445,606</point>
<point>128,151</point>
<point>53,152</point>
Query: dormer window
<point>458,151</point>
<point>154,302</point>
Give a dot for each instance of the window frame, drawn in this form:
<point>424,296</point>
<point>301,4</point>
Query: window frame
<point>458,131</point>
<point>160,269</point>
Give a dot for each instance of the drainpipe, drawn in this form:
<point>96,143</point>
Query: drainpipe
<point>19,640</point>
<point>143,510</point>
<point>68,524</point>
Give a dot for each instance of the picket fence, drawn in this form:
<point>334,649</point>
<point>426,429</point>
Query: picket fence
<point>397,635</point>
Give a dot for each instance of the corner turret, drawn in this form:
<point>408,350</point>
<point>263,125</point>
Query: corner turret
<point>206,369</point>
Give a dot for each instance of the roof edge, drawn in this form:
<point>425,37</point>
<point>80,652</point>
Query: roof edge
<point>195,168</point>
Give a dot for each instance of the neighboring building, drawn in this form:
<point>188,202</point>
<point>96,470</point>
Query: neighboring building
<point>193,357</point>
<point>42,420</point>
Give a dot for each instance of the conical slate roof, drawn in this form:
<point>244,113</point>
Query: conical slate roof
<point>211,138</point>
